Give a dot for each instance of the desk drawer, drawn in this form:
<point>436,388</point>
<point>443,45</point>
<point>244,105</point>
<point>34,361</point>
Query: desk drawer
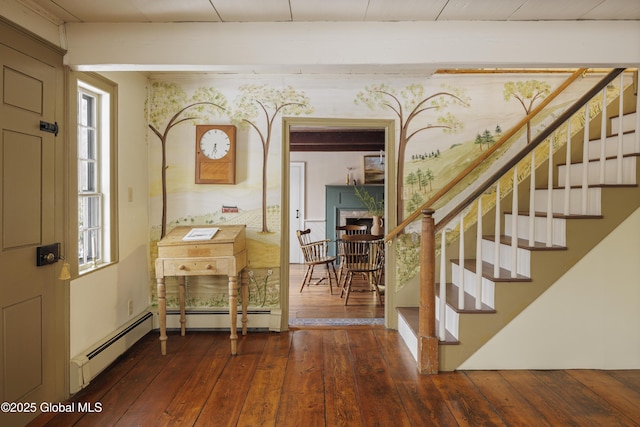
<point>189,267</point>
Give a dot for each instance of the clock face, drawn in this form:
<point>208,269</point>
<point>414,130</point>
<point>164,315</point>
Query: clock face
<point>215,144</point>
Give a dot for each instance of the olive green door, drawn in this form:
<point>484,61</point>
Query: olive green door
<point>32,332</point>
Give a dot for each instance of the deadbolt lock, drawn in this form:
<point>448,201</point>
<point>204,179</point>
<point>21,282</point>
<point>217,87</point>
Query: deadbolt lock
<point>47,254</point>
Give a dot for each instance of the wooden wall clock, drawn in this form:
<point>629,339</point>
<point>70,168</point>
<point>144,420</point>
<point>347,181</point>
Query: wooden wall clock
<point>215,154</point>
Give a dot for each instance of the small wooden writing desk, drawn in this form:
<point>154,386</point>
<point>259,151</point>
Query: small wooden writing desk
<point>224,254</point>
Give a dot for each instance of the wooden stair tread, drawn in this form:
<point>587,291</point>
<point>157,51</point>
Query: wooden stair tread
<point>556,215</point>
<point>524,243</point>
<point>579,187</point>
<point>487,271</point>
<point>469,301</point>
<point>412,317</point>
<point>597,160</point>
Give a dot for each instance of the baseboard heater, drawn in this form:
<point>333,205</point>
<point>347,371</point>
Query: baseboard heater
<point>89,363</point>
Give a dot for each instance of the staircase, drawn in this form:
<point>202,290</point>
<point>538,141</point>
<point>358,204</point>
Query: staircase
<point>588,189</point>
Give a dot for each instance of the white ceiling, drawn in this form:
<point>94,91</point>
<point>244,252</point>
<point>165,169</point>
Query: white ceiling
<point>92,11</point>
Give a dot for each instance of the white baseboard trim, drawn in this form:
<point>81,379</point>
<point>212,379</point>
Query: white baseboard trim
<point>214,320</point>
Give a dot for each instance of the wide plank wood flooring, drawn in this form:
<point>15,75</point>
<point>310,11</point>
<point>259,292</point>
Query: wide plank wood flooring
<point>316,302</point>
<point>327,375</point>
<point>336,377</point>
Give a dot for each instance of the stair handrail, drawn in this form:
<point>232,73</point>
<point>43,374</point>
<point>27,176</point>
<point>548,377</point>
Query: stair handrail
<point>542,136</point>
<point>480,159</point>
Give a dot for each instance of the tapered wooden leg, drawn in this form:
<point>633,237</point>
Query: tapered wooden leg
<point>244,282</point>
<point>162,314</point>
<point>233,312</point>
<point>181,296</point>
<point>307,277</point>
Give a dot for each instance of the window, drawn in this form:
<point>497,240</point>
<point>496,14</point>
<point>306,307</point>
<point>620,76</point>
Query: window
<point>95,153</point>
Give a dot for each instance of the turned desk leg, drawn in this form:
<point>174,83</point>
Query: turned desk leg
<point>162,314</point>
<point>233,312</point>
<point>244,282</point>
<point>181,296</point>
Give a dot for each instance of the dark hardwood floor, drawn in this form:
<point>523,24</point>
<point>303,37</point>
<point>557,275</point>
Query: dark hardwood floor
<point>331,376</point>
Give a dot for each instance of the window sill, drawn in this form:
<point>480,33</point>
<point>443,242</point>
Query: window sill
<point>87,271</point>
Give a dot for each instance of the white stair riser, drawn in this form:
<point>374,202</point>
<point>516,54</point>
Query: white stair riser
<point>451,318</point>
<point>628,123</point>
<point>593,176</point>
<point>558,227</point>
<point>611,146</point>
<point>576,195</point>
<point>524,257</point>
<point>488,287</point>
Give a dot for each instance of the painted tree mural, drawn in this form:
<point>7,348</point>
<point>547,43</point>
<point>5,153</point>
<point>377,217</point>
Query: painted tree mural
<point>527,93</point>
<point>257,106</point>
<point>169,106</point>
<point>408,104</point>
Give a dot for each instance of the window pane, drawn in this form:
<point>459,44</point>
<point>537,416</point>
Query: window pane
<point>93,212</point>
<point>89,229</point>
<point>87,181</point>
<point>94,246</point>
<point>86,112</point>
<point>83,152</point>
<point>87,143</point>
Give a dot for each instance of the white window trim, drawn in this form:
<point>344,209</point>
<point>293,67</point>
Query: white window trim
<point>106,123</point>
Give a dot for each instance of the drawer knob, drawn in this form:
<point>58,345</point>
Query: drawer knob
<point>182,267</point>
<point>208,266</point>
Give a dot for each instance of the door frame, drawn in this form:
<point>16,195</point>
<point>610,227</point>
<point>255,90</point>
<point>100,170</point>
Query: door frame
<point>300,225</point>
<point>391,316</point>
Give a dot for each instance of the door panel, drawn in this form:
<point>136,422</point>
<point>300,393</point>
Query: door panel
<point>22,189</point>
<point>23,91</point>
<point>30,196</point>
<point>22,331</point>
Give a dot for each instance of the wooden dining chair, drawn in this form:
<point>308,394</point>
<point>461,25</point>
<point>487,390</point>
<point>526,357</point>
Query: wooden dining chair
<point>341,230</point>
<point>363,253</point>
<point>316,253</point>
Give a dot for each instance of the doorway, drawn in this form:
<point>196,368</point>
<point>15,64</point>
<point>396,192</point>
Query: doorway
<point>314,305</point>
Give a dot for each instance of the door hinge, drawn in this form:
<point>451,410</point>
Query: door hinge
<point>49,127</point>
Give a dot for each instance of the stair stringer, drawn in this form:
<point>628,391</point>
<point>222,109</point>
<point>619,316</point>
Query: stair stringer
<point>583,234</point>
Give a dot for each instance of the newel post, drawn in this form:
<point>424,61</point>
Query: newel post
<point>427,339</point>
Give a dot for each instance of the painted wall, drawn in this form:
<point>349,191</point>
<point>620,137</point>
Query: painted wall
<point>99,300</point>
<point>327,169</point>
<point>560,331</point>
<point>441,150</point>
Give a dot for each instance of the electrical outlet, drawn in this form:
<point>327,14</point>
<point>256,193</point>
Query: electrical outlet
<point>130,307</point>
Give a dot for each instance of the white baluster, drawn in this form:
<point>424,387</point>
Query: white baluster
<point>585,160</point>
<point>496,243</point>
<point>443,287</point>
<point>461,265</point>
<point>620,132</point>
<point>479,256</point>
<point>567,171</point>
<point>514,224</point>
<point>603,135</point>
<point>532,200</point>
<point>550,197</point>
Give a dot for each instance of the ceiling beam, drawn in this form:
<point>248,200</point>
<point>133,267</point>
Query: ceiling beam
<point>337,140</point>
